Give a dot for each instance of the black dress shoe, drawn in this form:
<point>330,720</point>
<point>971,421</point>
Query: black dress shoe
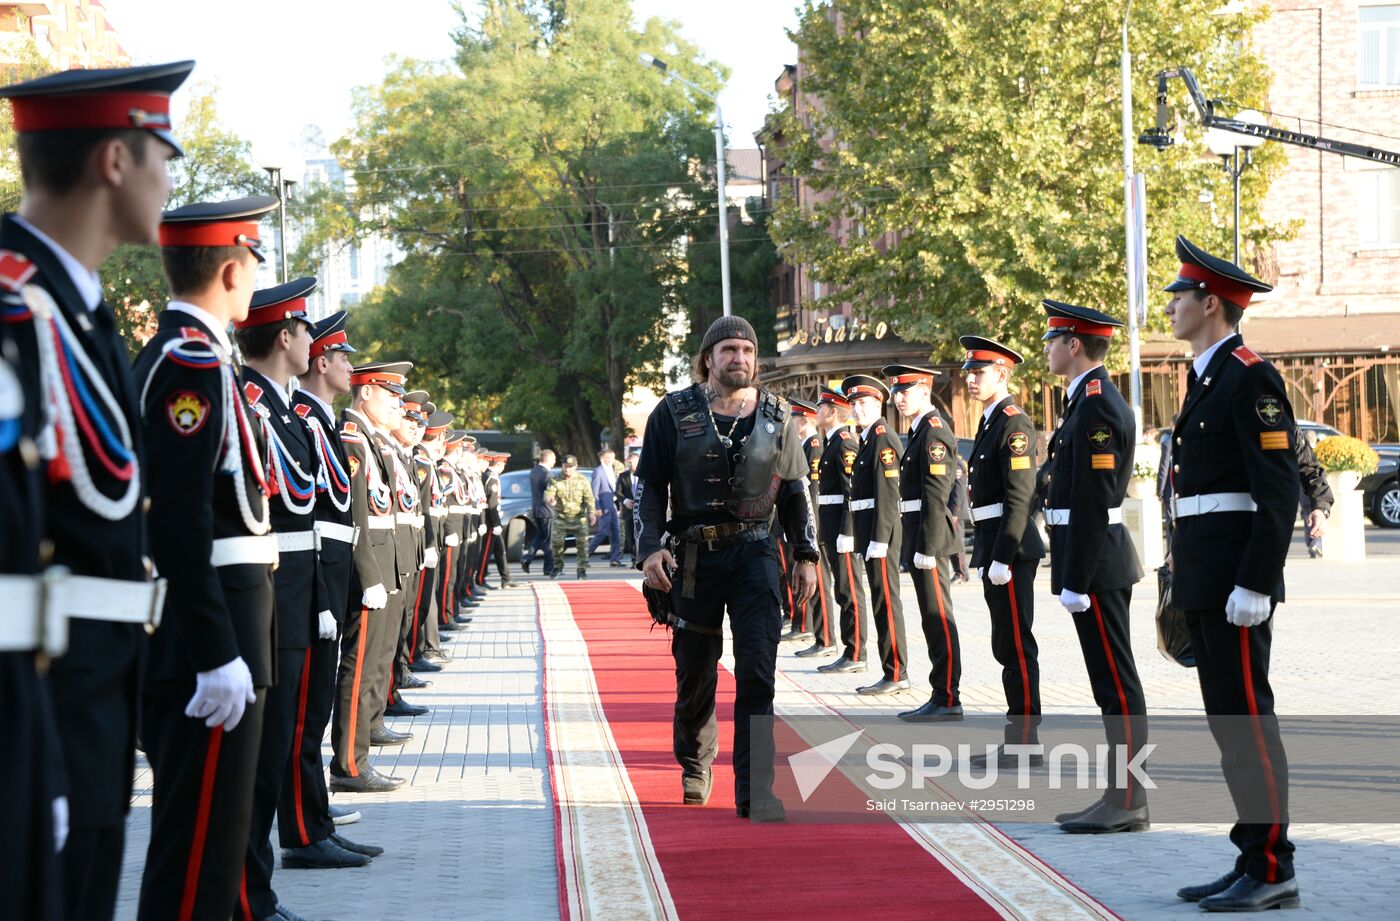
<point>437,658</point>
<point>368,782</point>
<point>286,914</point>
<point>933,712</point>
<point>462,620</point>
<point>323,855</point>
<point>368,850</point>
<point>413,682</point>
<point>1105,819</point>
<point>883,686</point>
<point>769,809</point>
<point>525,566</point>
<point>488,586</point>
<point>509,583</point>
<point>616,564</point>
<point>343,815</point>
<point>842,665</point>
<point>1005,759</point>
<point>393,782</point>
<point>816,649</point>
<point>695,788</point>
<point>401,708</point>
<point>1250,894</point>
<point>422,664</point>
<point>795,634</point>
<point>1196,893</point>
<point>1064,817</point>
<point>388,736</point>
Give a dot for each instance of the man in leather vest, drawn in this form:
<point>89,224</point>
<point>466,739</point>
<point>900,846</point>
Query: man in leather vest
<point>724,453</point>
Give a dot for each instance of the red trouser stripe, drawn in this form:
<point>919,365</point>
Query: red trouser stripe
<point>855,604</point>
<point>787,583</point>
<point>947,634</point>
<point>417,600</point>
<point>296,746</point>
<point>1117,686</point>
<point>355,692</point>
<point>445,614</point>
<point>243,896</point>
<point>821,599</point>
<point>1247,675</point>
<point>485,557</point>
<point>201,822</point>
<point>1020,651</point>
<point>889,614</point>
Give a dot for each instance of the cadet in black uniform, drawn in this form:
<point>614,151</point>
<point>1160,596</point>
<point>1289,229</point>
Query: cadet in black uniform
<point>723,453</point>
<point>304,825</point>
<point>495,531</point>
<point>406,438</point>
<point>1235,478</point>
<point>836,527</point>
<point>1006,545</point>
<point>213,657</point>
<point>875,511</point>
<point>93,150</point>
<point>1093,565</point>
<point>820,610</point>
<point>428,655</point>
<point>370,627</point>
<point>425,476</point>
<point>927,474</point>
<point>408,527</point>
<point>454,490</point>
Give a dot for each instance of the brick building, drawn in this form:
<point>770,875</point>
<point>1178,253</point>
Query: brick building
<point>69,33</point>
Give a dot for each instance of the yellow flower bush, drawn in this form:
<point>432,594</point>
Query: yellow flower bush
<point>1339,453</point>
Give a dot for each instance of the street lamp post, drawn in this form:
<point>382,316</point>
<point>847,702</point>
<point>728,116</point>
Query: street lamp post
<point>1227,145</point>
<point>719,170</point>
<point>281,188</point>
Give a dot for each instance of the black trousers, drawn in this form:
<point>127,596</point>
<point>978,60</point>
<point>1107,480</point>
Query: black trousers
<point>303,813</point>
<point>201,806</point>
<point>417,587</point>
<point>386,685</point>
<point>940,630</point>
<point>447,584</point>
<point>1232,664</point>
<point>356,704</point>
<point>629,532</point>
<point>786,601</point>
<point>29,866</point>
<point>89,878</point>
<point>424,636</point>
<point>1106,642</point>
<point>818,612</point>
<point>849,589</point>
<point>495,550</point>
<point>889,614</point>
<point>742,579</point>
<point>257,900</point>
<point>1012,607</point>
<point>544,527</point>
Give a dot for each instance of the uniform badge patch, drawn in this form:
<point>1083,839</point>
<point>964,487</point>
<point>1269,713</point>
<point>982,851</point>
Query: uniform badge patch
<point>1011,410</point>
<point>187,411</point>
<point>1269,409</point>
<point>252,391</point>
<point>1273,441</point>
<point>1018,442</point>
<point>302,409</point>
<point>938,469</point>
<point>1020,463</point>
<point>937,451</point>
<point>1093,388</point>
<point>887,457</point>
<point>848,460</point>
<point>354,466</point>
<point>1247,355</point>
<point>1100,436</point>
<point>1101,462</point>
<point>934,422</point>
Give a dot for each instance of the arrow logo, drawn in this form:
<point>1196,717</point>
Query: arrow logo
<point>810,767</point>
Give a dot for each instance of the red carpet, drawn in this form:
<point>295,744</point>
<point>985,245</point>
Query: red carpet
<point>715,864</point>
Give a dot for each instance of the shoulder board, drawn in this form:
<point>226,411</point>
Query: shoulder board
<point>847,435</point>
<point>15,269</point>
<point>1093,388</point>
<point>813,442</point>
<point>349,428</point>
<point>879,429</point>
<point>934,422</point>
<point>191,333</point>
<point>1012,410</point>
<point>1247,356</point>
<point>302,409</point>
<point>252,391</point>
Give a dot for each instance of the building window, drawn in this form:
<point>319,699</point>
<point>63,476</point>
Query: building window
<point>354,262</point>
<point>1379,203</point>
<point>1379,46</point>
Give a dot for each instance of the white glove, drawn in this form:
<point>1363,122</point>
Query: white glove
<point>845,543</point>
<point>375,597</point>
<point>325,625</point>
<point>481,530</point>
<point>876,551</point>
<point>977,573</point>
<point>998,573</point>
<point>60,823</point>
<point>1245,608</point>
<point>453,540</point>
<point>430,559</point>
<point>925,562</point>
<point>221,695</point>
<point>496,530</point>
<point>1074,602</point>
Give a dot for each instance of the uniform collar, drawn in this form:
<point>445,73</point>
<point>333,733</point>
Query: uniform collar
<point>271,386</point>
<point>207,319</point>
<point>1074,384</point>
<point>1203,360</point>
<point>326,407</point>
<point>88,285</point>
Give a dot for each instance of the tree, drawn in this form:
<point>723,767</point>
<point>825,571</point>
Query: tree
<point>29,64</point>
<point>752,258</point>
<point>978,147</point>
<point>540,185</point>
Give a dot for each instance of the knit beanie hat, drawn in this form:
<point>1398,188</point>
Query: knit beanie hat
<point>730,327</point>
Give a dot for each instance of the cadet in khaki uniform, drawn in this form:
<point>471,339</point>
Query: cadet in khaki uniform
<point>572,500</point>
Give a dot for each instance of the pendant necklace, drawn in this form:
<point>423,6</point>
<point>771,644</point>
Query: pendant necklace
<point>727,439</point>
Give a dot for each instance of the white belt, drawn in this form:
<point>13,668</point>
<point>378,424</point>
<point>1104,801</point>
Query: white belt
<point>910,505</point>
<point>120,601</point>
<point>381,522</point>
<point>437,512</point>
<point>830,500</point>
<point>409,518</point>
<point>1209,503</point>
<point>1060,516</point>
<point>30,624</point>
<point>235,551</point>
<point>983,512</point>
<point>329,530</point>
<point>297,541</point>
<point>860,505</point>
<point>457,509</point>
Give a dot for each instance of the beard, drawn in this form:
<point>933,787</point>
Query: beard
<point>733,379</point>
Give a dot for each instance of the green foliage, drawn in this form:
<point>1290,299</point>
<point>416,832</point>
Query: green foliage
<point>29,64</point>
<point>978,145</point>
<point>752,258</point>
<point>1339,453</point>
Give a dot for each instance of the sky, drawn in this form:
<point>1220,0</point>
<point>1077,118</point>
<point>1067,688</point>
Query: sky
<point>281,65</point>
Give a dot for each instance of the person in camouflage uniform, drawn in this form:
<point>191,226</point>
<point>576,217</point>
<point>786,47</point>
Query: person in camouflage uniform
<point>571,497</point>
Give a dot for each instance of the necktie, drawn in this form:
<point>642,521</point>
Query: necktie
<point>1190,379</point>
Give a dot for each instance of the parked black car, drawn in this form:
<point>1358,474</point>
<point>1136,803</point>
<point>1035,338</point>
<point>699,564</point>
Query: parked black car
<point>519,527</point>
<point>1380,492</point>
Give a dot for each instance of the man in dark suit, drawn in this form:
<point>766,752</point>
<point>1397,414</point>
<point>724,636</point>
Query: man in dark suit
<point>94,170</point>
<point>878,535</point>
<point>1093,565</point>
<point>543,515</point>
<point>927,474</point>
<point>627,504</point>
<point>1006,546</point>
<point>213,658</point>
<point>1235,479</point>
<point>836,526</point>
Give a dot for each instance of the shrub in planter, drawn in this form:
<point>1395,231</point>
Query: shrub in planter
<point>1344,454</point>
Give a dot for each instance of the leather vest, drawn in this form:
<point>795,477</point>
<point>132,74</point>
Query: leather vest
<point>703,482</point>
